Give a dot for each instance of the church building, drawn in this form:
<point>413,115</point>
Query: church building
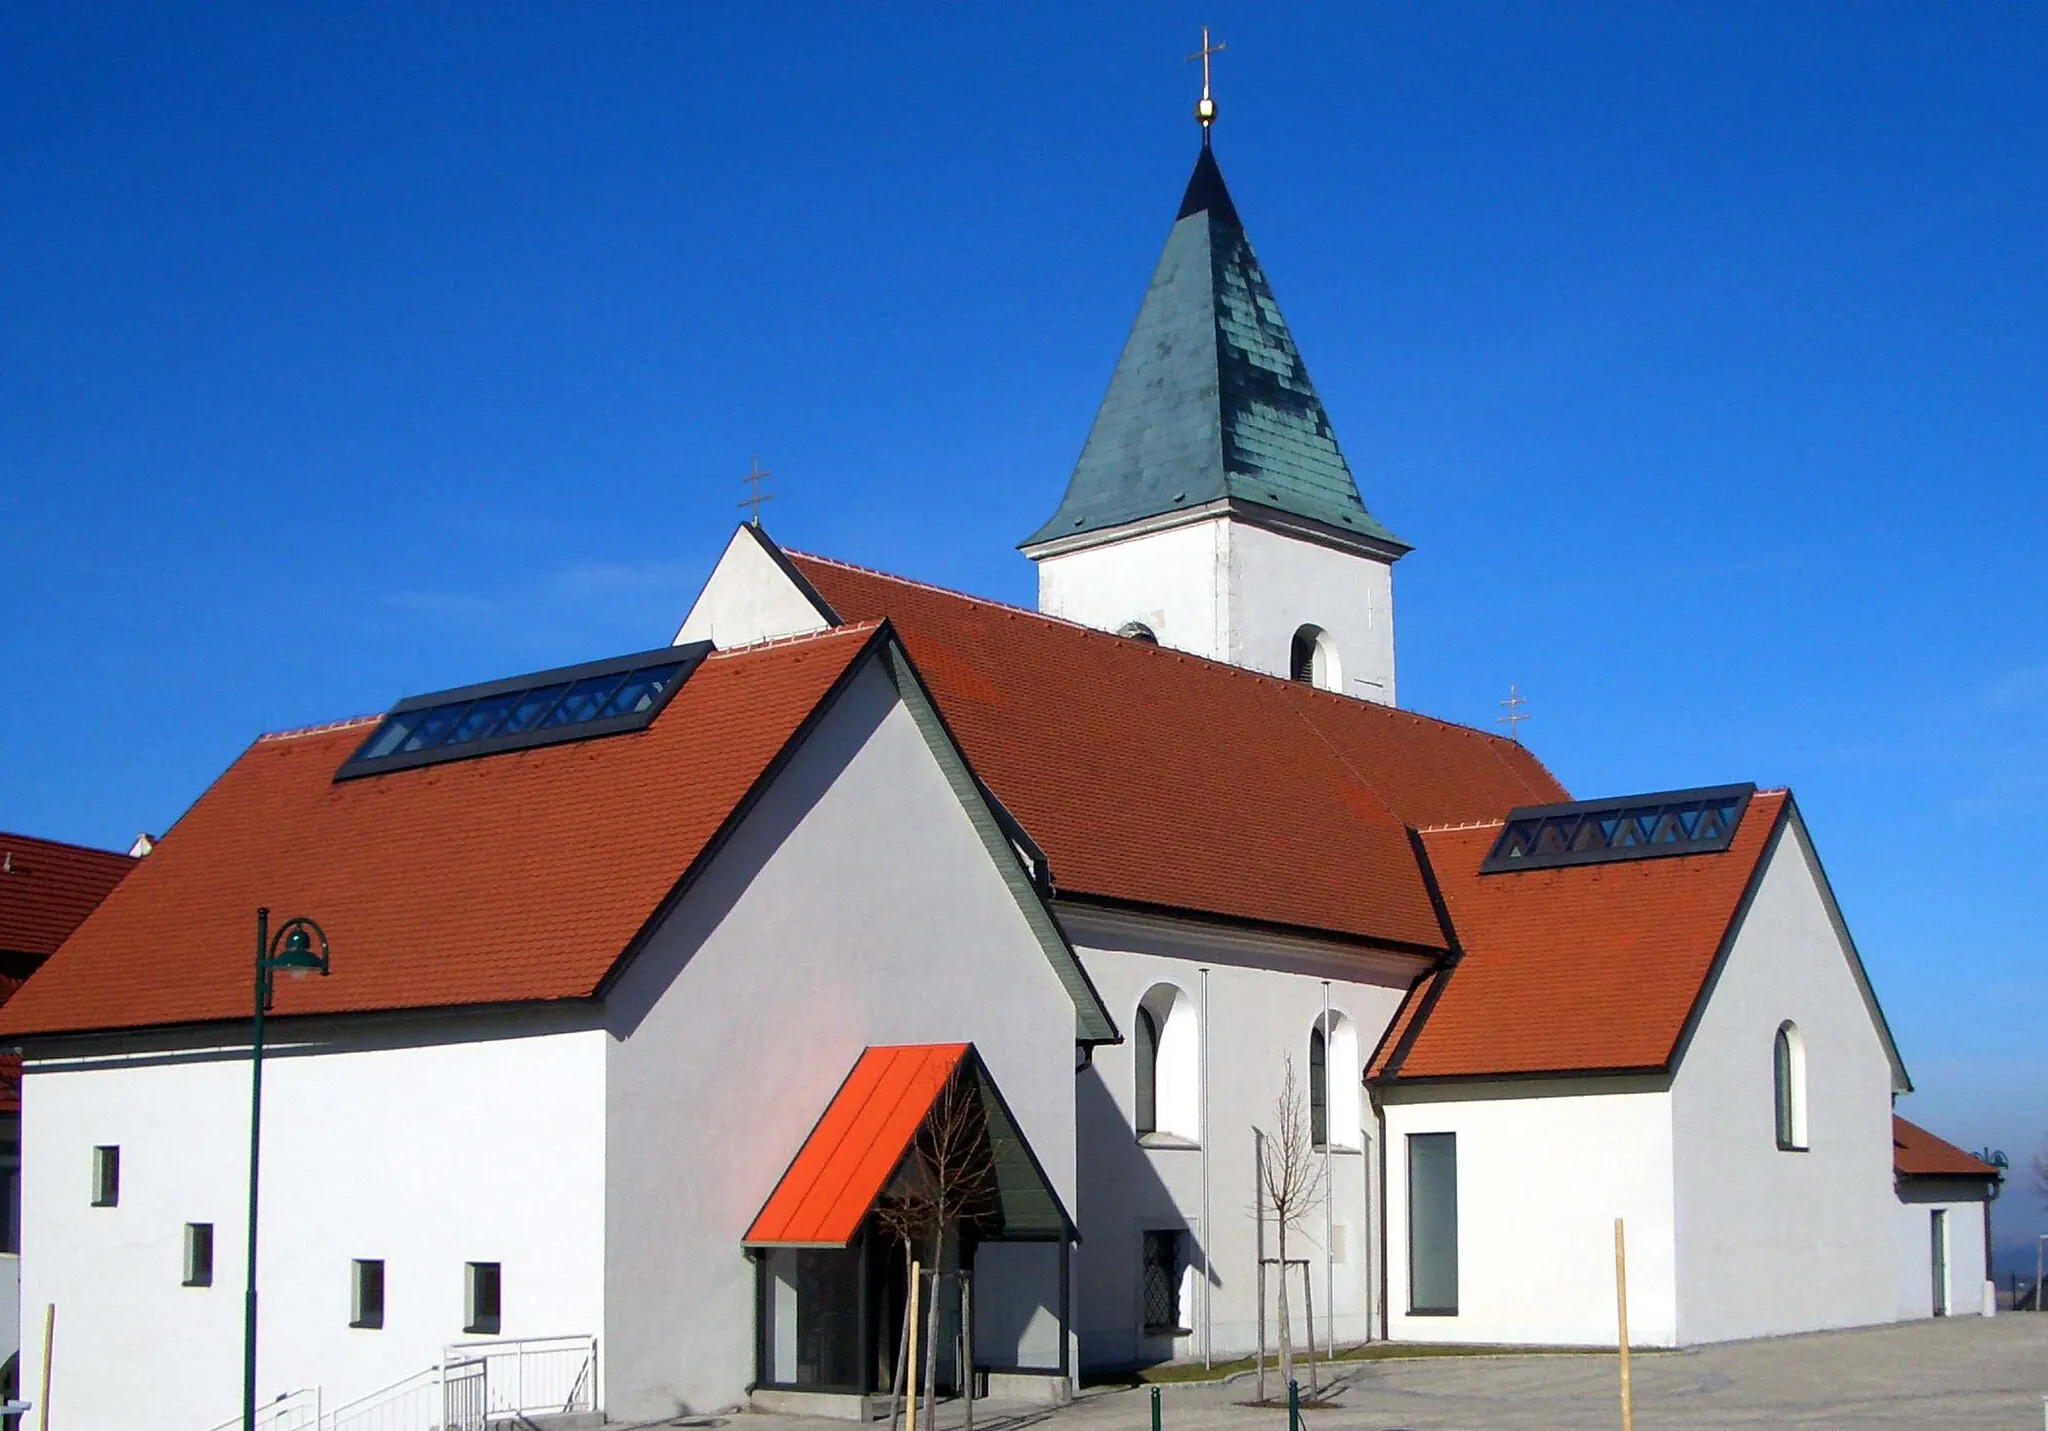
<point>652,990</point>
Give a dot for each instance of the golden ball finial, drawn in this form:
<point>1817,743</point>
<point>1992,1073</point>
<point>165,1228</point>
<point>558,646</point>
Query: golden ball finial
<point>1205,111</point>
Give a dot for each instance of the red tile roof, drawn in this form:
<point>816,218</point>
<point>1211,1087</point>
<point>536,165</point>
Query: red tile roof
<point>513,877</point>
<point>47,888</point>
<point>848,1158</point>
<point>1153,777</point>
<point>1917,1153</point>
<point>1574,969</point>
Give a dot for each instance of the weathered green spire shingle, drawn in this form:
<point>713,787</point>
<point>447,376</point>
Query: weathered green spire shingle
<point>1210,400</point>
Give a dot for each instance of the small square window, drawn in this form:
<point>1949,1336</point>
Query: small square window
<point>106,1176</point>
<point>198,1254</point>
<point>480,1291</point>
<point>366,1292</point>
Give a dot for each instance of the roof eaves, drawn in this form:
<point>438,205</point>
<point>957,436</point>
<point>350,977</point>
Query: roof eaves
<point>774,552</point>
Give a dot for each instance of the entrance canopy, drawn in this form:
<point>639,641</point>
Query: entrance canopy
<point>862,1139</point>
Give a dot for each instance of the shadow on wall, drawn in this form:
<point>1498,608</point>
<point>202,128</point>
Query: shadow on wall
<point>1121,1262</point>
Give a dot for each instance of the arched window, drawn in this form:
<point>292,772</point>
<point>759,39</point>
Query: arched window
<point>1788,1077</point>
<point>1168,1104</point>
<point>1333,1074</point>
<point>1138,631</point>
<point>1318,1088</point>
<point>1312,660</point>
<point>1147,1116</point>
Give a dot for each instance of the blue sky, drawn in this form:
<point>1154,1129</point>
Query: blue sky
<point>1700,350</point>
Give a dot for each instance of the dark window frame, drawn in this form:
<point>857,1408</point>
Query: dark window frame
<point>106,1175</point>
<point>1318,1088</point>
<point>477,1278</point>
<point>1415,1307</point>
<point>366,1293</point>
<point>687,657</point>
<point>1145,1116</point>
<point>198,1254</point>
<point>1574,826</point>
<point>1163,1278</point>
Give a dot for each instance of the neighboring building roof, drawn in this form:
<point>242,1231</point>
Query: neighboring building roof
<point>1917,1153</point>
<point>1156,778</point>
<point>514,877</point>
<point>47,888</point>
<point>1210,400</point>
<point>1586,968</point>
<point>863,1134</point>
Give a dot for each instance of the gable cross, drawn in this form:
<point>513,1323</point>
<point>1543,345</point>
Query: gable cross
<point>1514,717</point>
<point>756,497</point>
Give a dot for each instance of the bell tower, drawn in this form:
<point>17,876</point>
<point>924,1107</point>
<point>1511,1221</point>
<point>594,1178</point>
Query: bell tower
<point>1211,509</point>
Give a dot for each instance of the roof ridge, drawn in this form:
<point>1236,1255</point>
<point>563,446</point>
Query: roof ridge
<point>296,732</point>
<point>46,841</point>
<point>1499,742</point>
<point>795,638</point>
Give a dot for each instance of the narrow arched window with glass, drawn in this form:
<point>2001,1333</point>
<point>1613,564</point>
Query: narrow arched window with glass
<point>1788,1077</point>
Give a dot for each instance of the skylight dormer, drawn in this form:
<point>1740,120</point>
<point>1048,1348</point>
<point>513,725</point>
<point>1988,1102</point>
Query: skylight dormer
<point>1630,827</point>
<point>597,698</point>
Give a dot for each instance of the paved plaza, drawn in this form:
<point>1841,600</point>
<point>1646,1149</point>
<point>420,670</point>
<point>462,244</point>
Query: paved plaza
<point>1927,1376</point>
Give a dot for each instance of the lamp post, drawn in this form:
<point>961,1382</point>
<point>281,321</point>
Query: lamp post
<point>298,948</point>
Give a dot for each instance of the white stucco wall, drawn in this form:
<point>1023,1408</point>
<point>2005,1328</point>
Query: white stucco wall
<point>1544,1169</point>
<point>428,1144</point>
<point>1964,1204</point>
<point>1771,1241</point>
<point>856,905</point>
<point>1234,592</point>
<point>1265,994</point>
<point>1170,580</point>
<point>748,598</point>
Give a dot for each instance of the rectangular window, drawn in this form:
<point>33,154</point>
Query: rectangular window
<point>480,1289</point>
<point>1433,1224</point>
<point>366,1292</point>
<point>198,1254</point>
<point>1159,1282</point>
<point>106,1176</point>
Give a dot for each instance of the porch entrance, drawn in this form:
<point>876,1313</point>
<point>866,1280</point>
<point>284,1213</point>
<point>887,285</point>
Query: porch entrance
<point>917,1143</point>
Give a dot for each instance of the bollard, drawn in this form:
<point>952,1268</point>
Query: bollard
<point>1155,1409</point>
<point>1293,1405</point>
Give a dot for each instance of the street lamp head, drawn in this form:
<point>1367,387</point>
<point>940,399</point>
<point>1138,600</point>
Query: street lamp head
<point>298,949</point>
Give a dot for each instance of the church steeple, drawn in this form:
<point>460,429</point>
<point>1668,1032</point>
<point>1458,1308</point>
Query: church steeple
<point>1211,509</point>
<point>1210,402</point>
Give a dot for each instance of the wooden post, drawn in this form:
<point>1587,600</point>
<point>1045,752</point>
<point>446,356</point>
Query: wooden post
<point>49,1336</point>
<point>1259,1216</point>
<point>1628,1419</point>
<point>966,1351</point>
<point>1308,1315</point>
<point>916,1282</point>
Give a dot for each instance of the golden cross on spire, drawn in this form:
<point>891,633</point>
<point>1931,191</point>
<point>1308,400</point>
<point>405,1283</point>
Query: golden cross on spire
<point>1205,108</point>
<point>755,478</point>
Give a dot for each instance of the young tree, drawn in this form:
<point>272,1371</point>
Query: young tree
<point>1292,1176</point>
<point>947,1185</point>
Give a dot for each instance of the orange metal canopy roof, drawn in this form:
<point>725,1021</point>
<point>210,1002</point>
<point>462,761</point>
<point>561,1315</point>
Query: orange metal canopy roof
<point>849,1157</point>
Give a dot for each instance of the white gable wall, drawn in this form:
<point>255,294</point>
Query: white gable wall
<point>749,598</point>
<point>1544,1169</point>
<point>426,1143</point>
<point>855,906</point>
<point>1265,994</point>
<point>1771,1241</point>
